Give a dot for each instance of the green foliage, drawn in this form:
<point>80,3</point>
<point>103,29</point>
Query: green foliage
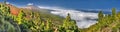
<point>20,17</point>
<point>69,25</point>
<point>48,25</point>
<point>5,10</point>
<point>106,23</point>
<point>114,13</point>
<point>34,21</point>
<point>6,22</point>
<point>100,15</point>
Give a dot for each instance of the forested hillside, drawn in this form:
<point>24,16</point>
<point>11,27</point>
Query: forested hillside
<point>13,19</point>
<point>106,23</point>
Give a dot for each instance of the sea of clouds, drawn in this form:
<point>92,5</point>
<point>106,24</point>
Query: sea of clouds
<point>83,19</point>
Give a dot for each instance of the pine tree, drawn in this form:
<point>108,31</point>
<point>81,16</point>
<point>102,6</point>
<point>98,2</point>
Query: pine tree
<point>5,10</point>
<point>20,16</point>
<point>114,13</point>
<point>69,25</point>
<point>37,19</point>
<point>42,26</point>
<point>66,21</point>
<point>48,26</point>
<point>68,18</point>
<point>100,15</point>
<point>38,24</point>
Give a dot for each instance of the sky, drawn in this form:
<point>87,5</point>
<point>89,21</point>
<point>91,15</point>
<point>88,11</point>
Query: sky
<point>74,4</point>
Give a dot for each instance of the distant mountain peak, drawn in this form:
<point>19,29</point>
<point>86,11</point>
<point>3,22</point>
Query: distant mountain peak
<point>31,6</point>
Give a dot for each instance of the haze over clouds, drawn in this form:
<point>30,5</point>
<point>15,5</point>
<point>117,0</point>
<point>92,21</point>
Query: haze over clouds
<point>84,19</point>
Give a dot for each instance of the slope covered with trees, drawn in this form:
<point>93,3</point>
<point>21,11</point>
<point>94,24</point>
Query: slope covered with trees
<point>106,23</point>
<point>33,21</point>
<point>13,19</point>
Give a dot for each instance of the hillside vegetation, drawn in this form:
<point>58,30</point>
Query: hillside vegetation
<point>13,19</point>
<point>106,23</point>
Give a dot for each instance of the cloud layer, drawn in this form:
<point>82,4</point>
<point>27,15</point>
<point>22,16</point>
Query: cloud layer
<point>84,19</point>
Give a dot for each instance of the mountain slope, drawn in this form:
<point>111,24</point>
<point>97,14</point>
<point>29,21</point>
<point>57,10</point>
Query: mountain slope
<point>106,23</point>
<point>14,10</point>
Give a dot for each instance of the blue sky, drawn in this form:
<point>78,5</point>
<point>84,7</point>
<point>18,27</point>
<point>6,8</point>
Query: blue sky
<point>75,4</point>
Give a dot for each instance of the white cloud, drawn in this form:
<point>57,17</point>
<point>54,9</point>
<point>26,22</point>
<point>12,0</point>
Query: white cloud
<point>84,19</point>
<point>30,4</point>
<point>7,3</point>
